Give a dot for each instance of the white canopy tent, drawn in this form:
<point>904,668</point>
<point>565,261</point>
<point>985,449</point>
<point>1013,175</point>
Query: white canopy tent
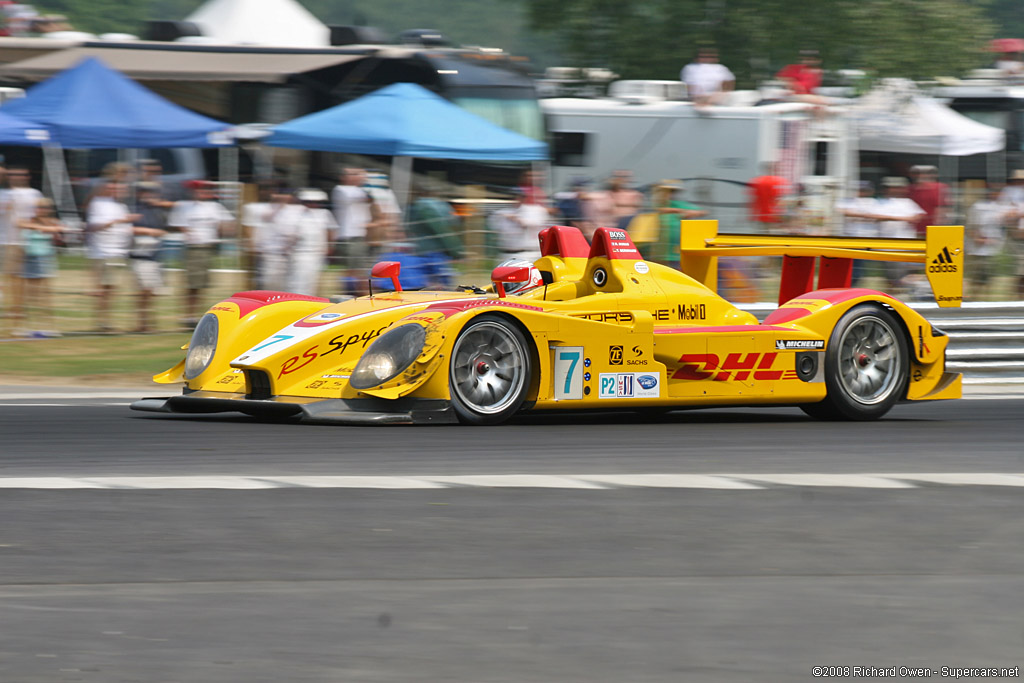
<point>282,23</point>
<point>898,117</point>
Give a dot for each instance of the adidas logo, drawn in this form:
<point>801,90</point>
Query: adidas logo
<point>943,263</point>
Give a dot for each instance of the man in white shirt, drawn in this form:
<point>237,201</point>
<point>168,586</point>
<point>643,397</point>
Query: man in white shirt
<point>202,220</point>
<point>351,205</point>
<point>110,229</point>
<point>518,228</point>
<point>18,203</point>
<point>707,81</point>
<point>897,214</point>
<point>987,221</point>
<point>305,229</point>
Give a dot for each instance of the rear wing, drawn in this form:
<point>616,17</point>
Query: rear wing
<point>942,251</point>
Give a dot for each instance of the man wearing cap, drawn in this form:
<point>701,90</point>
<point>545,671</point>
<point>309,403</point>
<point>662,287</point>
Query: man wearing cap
<point>202,220</point>
<point>929,194</point>
<point>304,229</point>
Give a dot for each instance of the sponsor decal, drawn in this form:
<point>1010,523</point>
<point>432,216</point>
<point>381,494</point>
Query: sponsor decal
<point>638,358</point>
<point>691,312</point>
<point>923,349</point>
<point>334,376</point>
<point>224,308</point>
<point>228,380</point>
<point>647,381</point>
<point>661,314</point>
<point>799,344</point>
<point>316,384</point>
<point>736,366</point>
<point>610,316</point>
<point>943,263</point>
<point>628,385</point>
<point>614,355</point>
<point>616,234</point>
<point>323,317</point>
<point>943,297</point>
<point>641,267</point>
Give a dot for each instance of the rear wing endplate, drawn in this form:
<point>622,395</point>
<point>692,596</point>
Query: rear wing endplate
<point>942,252</point>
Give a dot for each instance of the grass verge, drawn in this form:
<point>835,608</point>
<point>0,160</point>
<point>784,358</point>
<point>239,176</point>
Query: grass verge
<point>125,360</point>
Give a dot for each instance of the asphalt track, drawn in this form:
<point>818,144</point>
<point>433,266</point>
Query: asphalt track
<point>505,570</point>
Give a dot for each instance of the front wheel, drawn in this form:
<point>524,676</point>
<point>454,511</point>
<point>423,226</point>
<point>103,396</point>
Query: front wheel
<point>490,371</point>
<point>866,366</point>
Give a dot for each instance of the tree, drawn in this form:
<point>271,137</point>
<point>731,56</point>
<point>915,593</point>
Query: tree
<point>654,38</point>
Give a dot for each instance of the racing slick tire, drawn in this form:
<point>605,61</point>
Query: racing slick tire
<point>867,365</point>
<point>490,370</point>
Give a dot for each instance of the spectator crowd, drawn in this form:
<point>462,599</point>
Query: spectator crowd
<point>286,238</point>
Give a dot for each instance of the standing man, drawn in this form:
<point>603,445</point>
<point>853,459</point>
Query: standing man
<point>929,194</point>
<point>898,214</point>
<point>351,205</point>
<point>202,220</point>
<point>18,203</point>
<point>306,227</point>
<point>707,81</point>
<point>987,221</point>
<point>109,226</point>
<point>858,221</point>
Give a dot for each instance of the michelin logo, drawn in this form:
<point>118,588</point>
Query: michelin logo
<point>799,344</point>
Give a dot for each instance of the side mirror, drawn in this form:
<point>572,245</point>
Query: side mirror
<point>388,269</point>
<point>503,274</point>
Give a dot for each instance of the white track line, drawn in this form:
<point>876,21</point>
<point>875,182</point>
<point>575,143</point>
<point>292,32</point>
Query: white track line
<point>526,481</point>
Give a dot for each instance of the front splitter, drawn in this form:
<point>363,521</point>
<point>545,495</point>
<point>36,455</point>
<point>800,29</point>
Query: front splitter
<point>362,411</point>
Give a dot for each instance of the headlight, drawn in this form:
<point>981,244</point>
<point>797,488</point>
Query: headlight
<point>202,346</point>
<point>389,356</point>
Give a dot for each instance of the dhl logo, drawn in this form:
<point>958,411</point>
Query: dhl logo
<point>737,366</point>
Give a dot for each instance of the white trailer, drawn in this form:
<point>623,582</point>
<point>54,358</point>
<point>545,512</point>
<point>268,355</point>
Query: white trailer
<point>717,151</point>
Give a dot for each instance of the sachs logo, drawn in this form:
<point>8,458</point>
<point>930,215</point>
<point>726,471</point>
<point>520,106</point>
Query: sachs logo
<point>943,263</point>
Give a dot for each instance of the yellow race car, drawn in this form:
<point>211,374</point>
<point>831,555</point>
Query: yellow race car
<point>587,326</point>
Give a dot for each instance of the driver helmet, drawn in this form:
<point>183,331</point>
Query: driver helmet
<point>535,277</point>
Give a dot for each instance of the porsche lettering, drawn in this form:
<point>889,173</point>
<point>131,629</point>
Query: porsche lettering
<point>610,316</point>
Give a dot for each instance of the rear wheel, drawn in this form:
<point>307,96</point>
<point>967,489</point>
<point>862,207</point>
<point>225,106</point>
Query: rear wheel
<point>490,371</point>
<point>866,366</point>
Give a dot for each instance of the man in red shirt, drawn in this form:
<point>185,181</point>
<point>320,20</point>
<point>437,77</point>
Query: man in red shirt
<point>931,195</point>
<point>803,78</point>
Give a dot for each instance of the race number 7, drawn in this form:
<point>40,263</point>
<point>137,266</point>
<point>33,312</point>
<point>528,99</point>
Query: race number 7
<point>273,340</point>
<point>568,376</point>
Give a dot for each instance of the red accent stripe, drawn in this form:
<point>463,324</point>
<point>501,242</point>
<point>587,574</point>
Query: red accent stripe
<point>248,302</point>
<point>832,296</point>
<point>785,315</point>
<point>457,306</point>
<point>722,328</point>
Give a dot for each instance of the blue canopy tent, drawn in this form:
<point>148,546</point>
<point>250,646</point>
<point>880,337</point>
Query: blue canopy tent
<point>91,106</point>
<point>406,120</point>
<point>19,132</point>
